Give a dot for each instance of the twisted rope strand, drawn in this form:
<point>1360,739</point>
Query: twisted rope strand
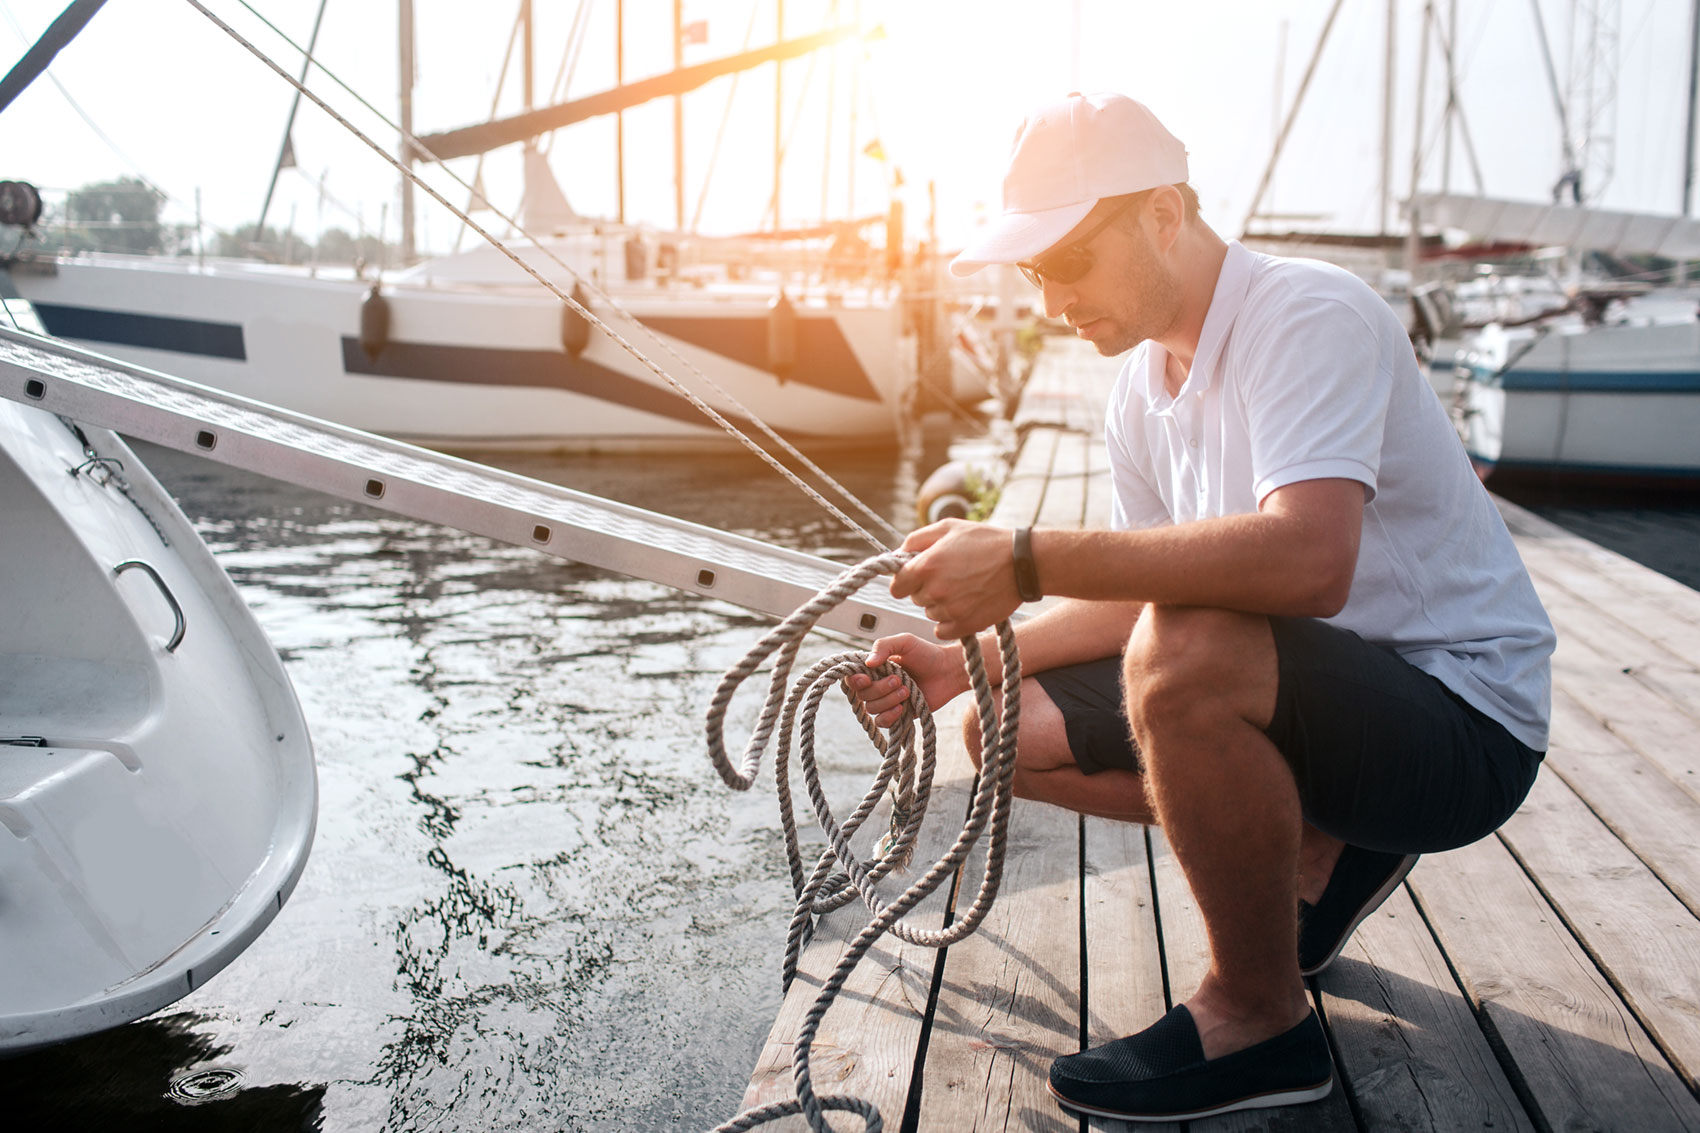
<point>907,758</point>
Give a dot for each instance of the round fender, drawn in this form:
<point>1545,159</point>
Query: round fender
<point>945,494</point>
<point>575,328</point>
<point>374,323</point>
<point>781,335</point>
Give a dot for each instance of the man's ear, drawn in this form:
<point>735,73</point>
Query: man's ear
<point>1167,210</point>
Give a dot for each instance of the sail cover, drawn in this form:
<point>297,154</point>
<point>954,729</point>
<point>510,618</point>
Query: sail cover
<point>1590,229</point>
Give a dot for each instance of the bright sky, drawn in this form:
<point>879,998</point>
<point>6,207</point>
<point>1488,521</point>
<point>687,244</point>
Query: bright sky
<point>943,91</point>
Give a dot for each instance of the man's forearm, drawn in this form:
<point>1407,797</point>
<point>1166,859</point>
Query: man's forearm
<point>1069,632</point>
<point>1297,563</point>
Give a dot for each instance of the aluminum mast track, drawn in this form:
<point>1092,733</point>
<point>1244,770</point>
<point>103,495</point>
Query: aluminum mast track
<point>421,484</point>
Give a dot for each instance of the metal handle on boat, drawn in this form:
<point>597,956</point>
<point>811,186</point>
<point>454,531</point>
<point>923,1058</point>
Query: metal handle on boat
<point>170,599</point>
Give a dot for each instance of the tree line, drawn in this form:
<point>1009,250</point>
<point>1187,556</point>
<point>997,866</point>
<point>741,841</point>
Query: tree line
<point>123,215</point>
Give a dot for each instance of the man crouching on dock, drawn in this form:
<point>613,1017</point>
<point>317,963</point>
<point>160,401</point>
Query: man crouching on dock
<point>1307,647</point>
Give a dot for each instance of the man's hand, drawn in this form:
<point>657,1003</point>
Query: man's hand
<point>936,668</point>
<point>963,576</point>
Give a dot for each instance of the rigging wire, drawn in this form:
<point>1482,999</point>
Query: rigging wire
<point>590,286</point>
<point>474,196</point>
<point>90,122</point>
<point>720,133</point>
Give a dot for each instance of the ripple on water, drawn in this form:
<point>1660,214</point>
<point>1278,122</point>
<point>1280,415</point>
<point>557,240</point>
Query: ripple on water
<point>531,902</point>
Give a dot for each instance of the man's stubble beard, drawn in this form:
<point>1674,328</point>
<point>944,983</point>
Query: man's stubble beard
<point>1153,295</point>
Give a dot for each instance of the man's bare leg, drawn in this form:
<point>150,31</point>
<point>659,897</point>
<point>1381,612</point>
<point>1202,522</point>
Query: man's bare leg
<point>1045,769</point>
<point>1201,689</point>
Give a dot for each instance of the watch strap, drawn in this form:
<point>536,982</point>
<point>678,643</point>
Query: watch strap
<point>1026,571</point>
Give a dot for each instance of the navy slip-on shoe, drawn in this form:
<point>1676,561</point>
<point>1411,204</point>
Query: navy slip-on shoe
<point>1161,1074</point>
<point>1361,881</point>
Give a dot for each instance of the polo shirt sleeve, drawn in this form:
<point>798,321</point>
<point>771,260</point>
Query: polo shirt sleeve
<point>1316,390</point>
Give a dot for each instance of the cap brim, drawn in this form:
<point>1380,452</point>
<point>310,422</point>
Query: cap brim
<point>1016,236</point>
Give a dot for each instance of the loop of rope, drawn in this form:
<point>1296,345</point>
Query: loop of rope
<point>602,297</point>
<point>907,752</point>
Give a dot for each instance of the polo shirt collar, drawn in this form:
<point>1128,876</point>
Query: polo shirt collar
<point>1232,283</point>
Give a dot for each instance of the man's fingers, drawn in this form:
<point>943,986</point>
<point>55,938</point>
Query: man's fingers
<point>889,703</point>
<point>923,537</point>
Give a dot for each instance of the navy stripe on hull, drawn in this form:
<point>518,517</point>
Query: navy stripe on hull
<point>546,369</point>
<point>1602,381</point>
<point>155,332</point>
<point>825,360</point>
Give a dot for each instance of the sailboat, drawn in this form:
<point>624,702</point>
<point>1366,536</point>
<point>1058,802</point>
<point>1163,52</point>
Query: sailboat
<point>468,352</point>
<point>1605,389</point>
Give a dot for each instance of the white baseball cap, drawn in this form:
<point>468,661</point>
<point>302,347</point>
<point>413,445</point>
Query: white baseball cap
<point>1067,157</point>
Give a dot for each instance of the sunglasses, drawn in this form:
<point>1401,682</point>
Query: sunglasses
<point>1067,265</point>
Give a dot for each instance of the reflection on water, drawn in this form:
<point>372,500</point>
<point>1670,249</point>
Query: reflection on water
<point>531,902</point>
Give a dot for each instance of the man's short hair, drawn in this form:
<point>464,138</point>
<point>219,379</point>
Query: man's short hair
<point>1189,200</point>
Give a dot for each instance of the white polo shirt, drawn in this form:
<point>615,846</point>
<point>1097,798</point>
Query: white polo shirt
<point>1304,373</point>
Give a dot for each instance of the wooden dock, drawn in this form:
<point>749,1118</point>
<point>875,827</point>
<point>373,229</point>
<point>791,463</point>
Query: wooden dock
<point>1545,978</point>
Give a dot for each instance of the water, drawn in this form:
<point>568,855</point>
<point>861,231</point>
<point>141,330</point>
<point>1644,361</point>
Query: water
<point>1660,532</point>
<point>531,903</point>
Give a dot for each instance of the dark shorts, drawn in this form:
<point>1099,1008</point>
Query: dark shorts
<point>1384,755</point>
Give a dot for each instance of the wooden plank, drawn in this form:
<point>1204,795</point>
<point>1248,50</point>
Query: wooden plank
<point>1640,715</point>
<point>1606,629</point>
<point>1659,602</point>
<point>1065,492</point>
<point>1009,1002</point>
<point>1405,1037</point>
<point>1124,967</point>
<point>1186,953</point>
<point>1583,1060</point>
<point>1641,806</point>
<point>1658,622</point>
<point>1628,647</point>
<point>1644,940</point>
<point>867,1042</point>
<point>1023,490</point>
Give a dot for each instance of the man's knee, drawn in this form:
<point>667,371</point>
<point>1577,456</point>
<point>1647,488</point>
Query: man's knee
<point>1041,742</point>
<point>971,738</point>
<point>1183,661</point>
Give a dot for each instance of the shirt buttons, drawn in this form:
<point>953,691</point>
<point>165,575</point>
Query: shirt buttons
<point>1193,443</point>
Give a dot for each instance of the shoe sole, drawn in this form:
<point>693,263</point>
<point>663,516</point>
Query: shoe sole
<point>1394,880</point>
<point>1256,1101</point>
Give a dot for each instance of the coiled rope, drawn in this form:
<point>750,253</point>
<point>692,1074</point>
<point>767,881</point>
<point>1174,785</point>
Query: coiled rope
<point>907,756</point>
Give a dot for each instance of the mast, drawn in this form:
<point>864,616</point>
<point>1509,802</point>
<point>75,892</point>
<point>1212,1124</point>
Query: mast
<point>620,116</point>
<point>1693,94</point>
<point>778,106</point>
<point>1449,31</point>
<point>851,152</point>
<point>406,67</point>
<point>1292,115</point>
<point>1413,236</point>
<point>1387,89</point>
<point>679,118</point>
<point>526,60</point>
<point>284,150</point>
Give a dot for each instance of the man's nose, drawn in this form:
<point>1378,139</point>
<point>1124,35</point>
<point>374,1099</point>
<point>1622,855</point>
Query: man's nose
<point>1059,297</point>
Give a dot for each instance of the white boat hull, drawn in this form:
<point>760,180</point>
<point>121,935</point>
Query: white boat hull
<point>159,809</point>
<point>1613,403</point>
<point>482,365</point>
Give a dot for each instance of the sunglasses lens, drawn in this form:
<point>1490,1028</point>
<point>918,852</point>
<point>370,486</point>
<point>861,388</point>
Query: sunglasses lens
<point>1032,275</point>
<point>1068,265</point>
